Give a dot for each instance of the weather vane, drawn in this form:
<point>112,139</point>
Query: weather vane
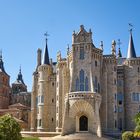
<point>46,34</point>
<point>130,27</point>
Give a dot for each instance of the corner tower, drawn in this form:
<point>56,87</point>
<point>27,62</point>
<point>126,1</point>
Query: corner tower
<point>45,94</point>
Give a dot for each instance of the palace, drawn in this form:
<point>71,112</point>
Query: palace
<point>87,90</point>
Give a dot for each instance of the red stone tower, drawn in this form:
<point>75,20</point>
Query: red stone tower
<point>4,86</point>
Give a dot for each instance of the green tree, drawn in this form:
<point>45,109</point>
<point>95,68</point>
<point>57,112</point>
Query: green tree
<point>9,128</point>
<point>137,119</point>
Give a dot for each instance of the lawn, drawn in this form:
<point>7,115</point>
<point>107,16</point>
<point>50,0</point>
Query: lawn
<point>30,138</point>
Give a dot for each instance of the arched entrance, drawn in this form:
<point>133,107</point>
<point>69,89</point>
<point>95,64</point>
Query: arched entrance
<point>83,123</point>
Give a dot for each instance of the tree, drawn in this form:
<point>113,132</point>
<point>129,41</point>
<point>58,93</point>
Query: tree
<point>9,128</point>
<point>137,119</point>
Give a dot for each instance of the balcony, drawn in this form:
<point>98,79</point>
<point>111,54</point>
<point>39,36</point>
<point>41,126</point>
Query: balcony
<point>83,95</point>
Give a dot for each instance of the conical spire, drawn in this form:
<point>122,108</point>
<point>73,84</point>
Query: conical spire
<point>46,54</point>
<point>19,78</point>
<point>119,53</point>
<point>2,64</point>
<point>131,50</point>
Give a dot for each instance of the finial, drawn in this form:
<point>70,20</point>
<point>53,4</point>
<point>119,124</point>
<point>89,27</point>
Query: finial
<point>113,47</point>
<point>130,28</point>
<point>101,45</point>
<point>119,51</point>
<point>46,34</point>
<point>0,54</point>
<point>20,69</point>
<point>68,49</point>
<point>81,27</point>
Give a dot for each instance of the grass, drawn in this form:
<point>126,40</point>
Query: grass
<point>30,138</point>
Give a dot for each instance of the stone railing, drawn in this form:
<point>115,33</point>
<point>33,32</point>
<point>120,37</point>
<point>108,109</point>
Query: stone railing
<point>83,95</point>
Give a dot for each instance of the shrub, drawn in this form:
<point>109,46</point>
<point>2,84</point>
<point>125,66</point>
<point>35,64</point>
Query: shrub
<point>137,128</point>
<point>9,128</point>
<point>136,134</point>
<point>128,135</point>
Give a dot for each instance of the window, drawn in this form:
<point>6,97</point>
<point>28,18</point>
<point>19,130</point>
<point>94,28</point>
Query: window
<point>138,69</point>
<point>77,85</point>
<point>52,119</point>
<point>40,122</point>
<point>52,100</point>
<point>95,84</point>
<point>86,84</point>
<point>98,88</point>
<point>81,53</point>
<point>52,83</point>
<point>120,98</point>
<point>42,99</point>
<point>95,63</point>
<point>81,80</point>
<point>115,82</point>
<point>136,97</point>
<point>120,83</point>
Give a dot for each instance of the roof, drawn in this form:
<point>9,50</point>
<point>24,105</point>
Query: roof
<point>131,50</point>
<point>45,59</point>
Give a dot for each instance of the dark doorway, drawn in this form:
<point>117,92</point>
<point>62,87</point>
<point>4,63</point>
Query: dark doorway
<point>83,122</point>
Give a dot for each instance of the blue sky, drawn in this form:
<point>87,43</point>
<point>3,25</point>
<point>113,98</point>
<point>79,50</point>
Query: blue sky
<point>24,22</point>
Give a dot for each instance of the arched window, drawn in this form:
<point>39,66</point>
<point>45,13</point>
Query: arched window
<point>81,75</point>
<point>77,85</point>
<point>86,84</point>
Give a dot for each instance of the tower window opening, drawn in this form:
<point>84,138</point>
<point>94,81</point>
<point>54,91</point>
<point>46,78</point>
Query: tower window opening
<point>138,69</point>
<point>81,53</point>
<point>95,63</point>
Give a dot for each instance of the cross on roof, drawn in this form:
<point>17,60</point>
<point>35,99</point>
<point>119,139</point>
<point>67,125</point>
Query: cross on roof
<point>46,34</point>
<point>130,27</point>
<point>119,42</point>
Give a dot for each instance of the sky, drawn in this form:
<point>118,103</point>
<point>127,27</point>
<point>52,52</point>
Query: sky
<point>24,22</point>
